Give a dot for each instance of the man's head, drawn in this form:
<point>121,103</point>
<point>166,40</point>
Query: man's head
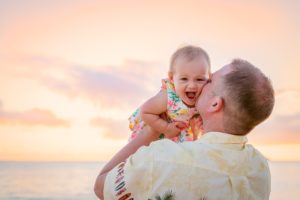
<point>238,97</point>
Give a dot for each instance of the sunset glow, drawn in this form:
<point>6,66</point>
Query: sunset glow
<point>72,72</point>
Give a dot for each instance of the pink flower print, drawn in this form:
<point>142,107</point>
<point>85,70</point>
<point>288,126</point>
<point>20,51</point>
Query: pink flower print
<point>172,105</point>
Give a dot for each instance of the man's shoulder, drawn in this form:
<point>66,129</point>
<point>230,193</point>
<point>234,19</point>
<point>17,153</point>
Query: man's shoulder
<point>255,153</point>
<point>257,159</point>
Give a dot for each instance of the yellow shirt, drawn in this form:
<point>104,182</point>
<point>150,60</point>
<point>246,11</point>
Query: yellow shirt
<point>217,166</point>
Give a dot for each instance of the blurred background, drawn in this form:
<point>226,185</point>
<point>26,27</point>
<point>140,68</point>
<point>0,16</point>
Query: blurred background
<point>73,71</point>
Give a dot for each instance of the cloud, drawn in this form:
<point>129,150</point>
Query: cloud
<point>122,85</point>
<point>32,117</point>
<point>283,126</point>
<point>285,91</point>
<point>286,124</point>
<point>107,87</point>
<point>112,128</point>
<point>278,130</point>
<point>125,85</point>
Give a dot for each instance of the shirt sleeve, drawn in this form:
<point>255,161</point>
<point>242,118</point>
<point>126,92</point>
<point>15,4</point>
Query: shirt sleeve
<point>163,84</point>
<point>131,179</point>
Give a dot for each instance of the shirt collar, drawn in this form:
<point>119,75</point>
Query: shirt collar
<point>222,138</point>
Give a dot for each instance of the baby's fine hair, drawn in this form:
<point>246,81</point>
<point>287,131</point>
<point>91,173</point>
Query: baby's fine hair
<point>189,53</point>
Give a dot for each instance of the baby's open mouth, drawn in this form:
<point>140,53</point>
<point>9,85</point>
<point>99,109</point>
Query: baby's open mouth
<point>191,95</point>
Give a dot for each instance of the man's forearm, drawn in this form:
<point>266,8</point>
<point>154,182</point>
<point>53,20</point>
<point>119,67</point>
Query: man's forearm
<point>142,139</point>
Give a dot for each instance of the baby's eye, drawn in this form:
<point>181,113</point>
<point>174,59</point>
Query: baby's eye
<point>183,79</point>
<point>201,79</point>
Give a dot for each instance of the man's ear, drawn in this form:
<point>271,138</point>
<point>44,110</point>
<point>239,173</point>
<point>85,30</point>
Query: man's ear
<point>216,104</point>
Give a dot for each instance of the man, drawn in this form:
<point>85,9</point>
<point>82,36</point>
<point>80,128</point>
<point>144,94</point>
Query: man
<point>219,165</point>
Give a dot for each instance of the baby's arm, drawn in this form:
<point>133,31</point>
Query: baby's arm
<point>151,110</point>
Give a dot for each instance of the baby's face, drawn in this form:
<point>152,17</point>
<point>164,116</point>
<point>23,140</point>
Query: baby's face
<point>189,77</point>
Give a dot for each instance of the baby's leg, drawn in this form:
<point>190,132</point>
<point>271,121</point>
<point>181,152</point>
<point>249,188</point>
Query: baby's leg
<point>149,132</point>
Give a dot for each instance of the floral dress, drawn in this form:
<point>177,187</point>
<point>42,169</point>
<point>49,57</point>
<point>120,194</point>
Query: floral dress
<point>176,111</point>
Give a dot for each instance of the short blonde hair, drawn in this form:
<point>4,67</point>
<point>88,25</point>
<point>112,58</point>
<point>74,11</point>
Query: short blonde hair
<point>189,53</point>
<point>249,97</point>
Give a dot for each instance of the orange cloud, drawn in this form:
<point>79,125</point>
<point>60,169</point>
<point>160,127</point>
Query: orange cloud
<point>113,129</point>
<point>32,117</point>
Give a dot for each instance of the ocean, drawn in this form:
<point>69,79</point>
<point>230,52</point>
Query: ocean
<point>75,180</point>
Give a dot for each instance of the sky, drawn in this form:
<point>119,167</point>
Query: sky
<point>72,72</point>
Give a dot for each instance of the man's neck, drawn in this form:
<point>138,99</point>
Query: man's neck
<point>212,130</point>
<point>213,126</point>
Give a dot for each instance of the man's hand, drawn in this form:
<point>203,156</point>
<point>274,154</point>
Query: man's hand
<point>173,129</point>
<point>196,125</point>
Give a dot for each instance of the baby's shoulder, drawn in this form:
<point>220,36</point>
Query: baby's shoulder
<point>167,84</point>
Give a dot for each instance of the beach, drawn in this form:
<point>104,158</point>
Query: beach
<point>74,180</point>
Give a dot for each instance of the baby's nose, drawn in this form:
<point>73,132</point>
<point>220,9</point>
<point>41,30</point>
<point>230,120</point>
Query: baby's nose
<point>192,85</point>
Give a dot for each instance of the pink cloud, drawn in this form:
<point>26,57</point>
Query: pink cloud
<point>120,86</point>
<point>32,117</point>
<point>279,130</point>
<point>283,126</point>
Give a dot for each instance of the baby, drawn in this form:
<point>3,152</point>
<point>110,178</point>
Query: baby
<point>170,111</point>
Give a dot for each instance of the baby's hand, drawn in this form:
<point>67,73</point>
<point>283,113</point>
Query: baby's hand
<point>174,129</point>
